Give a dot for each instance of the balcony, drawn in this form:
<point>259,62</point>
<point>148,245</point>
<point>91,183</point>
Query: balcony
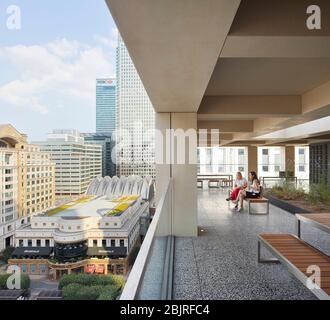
<point>221,263</point>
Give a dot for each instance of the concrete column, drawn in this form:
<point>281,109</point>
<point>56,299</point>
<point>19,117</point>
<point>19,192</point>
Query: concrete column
<point>290,159</point>
<point>252,159</point>
<point>183,173</point>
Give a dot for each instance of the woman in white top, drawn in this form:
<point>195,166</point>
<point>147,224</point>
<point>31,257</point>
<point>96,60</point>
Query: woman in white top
<point>253,190</point>
<point>239,184</point>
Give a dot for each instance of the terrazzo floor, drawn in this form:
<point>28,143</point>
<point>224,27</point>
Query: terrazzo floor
<point>221,263</point>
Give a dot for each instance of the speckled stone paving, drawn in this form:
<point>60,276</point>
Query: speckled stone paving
<point>221,263</point>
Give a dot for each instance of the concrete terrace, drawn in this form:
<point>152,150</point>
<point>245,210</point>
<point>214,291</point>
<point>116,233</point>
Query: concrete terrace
<point>222,262</point>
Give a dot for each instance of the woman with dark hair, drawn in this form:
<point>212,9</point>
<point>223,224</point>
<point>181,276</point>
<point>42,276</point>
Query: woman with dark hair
<point>252,192</point>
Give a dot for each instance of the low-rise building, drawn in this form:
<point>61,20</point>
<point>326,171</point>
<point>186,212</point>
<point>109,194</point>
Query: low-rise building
<point>94,234</point>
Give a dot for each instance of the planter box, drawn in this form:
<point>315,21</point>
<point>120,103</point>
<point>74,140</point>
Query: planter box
<point>282,204</point>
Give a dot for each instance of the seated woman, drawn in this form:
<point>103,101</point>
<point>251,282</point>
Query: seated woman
<point>239,184</point>
<point>252,192</point>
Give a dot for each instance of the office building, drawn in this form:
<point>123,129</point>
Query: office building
<point>105,106</point>
<point>108,152</point>
<point>77,162</point>
<point>135,120</point>
<point>27,182</point>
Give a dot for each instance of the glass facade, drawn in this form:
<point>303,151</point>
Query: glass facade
<point>135,120</point>
<point>226,160</point>
<point>105,105</point>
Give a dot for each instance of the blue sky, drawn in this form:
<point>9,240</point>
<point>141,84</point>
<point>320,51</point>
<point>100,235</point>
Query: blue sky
<point>48,68</point>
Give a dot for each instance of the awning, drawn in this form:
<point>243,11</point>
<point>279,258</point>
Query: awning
<point>107,251</point>
<point>32,252</point>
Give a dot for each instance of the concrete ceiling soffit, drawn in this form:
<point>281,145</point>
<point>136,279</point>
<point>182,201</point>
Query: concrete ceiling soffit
<point>174,45</point>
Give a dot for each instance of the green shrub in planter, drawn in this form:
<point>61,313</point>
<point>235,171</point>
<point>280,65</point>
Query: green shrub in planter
<point>109,292</point>
<point>25,281</point>
<point>118,281</point>
<point>92,280</point>
<point>319,193</point>
<point>76,291</point>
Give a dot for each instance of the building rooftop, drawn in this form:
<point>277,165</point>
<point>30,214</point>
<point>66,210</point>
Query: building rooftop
<point>92,206</point>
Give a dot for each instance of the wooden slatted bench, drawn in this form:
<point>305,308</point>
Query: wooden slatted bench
<point>297,256</point>
<point>257,200</point>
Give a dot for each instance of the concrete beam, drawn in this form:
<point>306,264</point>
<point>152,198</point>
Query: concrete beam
<point>278,18</point>
<point>247,143</point>
<point>317,101</point>
<point>227,126</point>
<point>247,107</point>
<point>276,47</point>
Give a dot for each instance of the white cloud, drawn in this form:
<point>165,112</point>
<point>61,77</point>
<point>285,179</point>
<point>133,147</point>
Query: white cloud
<point>58,74</point>
<point>110,41</point>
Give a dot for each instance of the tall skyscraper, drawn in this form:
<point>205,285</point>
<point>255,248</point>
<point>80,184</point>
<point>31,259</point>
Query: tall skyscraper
<point>105,106</point>
<point>77,163</point>
<point>135,120</point>
<point>27,182</point>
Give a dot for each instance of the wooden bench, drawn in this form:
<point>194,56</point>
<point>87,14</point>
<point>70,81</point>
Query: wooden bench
<point>257,200</point>
<point>253,201</point>
<point>297,256</point>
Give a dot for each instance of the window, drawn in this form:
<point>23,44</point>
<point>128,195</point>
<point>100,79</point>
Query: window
<point>21,243</point>
<point>241,152</point>
<point>23,268</point>
<point>113,243</point>
<point>38,243</point>
<point>94,243</point>
<point>104,243</point>
<point>29,243</point>
<point>42,268</point>
<point>265,152</point>
<point>265,168</point>
<point>32,268</point>
<point>47,243</point>
<point>122,243</point>
<point>302,168</point>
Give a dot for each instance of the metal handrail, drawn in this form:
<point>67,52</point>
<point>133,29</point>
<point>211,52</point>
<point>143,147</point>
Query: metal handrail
<point>132,286</point>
